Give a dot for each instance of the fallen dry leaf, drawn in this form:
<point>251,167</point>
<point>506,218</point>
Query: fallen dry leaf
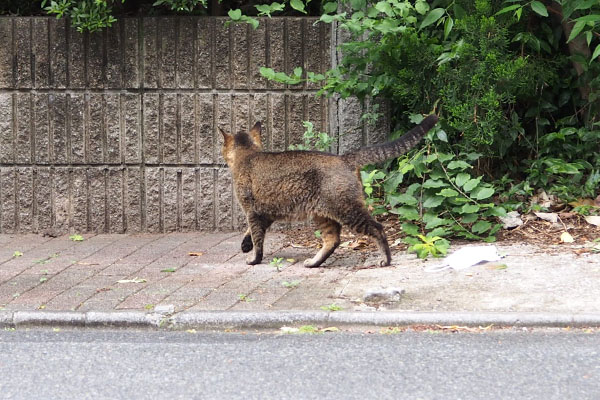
<point>582,202</point>
<point>195,253</point>
<point>550,217</point>
<point>566,238</point>
<point>593,219</point>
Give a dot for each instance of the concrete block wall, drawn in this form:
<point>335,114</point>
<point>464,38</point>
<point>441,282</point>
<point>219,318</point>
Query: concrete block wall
<point>117,131</point>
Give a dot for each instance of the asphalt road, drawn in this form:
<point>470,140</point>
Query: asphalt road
<point>180,365</point>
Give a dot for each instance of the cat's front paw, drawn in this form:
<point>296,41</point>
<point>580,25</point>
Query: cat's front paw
<point>253,260</point>
<point>310,263</point>
<point>247,244</point>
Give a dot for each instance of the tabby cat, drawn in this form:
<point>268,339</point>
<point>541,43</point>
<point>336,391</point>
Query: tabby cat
<point>297,185</point>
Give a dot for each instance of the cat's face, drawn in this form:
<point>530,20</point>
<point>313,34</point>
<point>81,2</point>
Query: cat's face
<point>242,140</point>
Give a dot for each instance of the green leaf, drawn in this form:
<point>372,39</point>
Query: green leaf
<point>484,193</point>
<point>469,218</point>
<point>448,25</point>
<point>579,25</point>
<point>298,71</point>
<point>496,211</point>
<point>76,238</point>
<point>480,227</point>
<point>235,14</point>
<point>410,229</point>
<point>298,5</point>
<point>358,4</point>
<point>406,212</point>
<point>330,7</point>
<point>469,208</point>
<point>432,183</point>
<point>461,179</point>
<point>441,135</point>
<point>168,270</point>
<point>421,6</point>
<point>539,8</point>
<point>402,198</point>
<point>458,164</point>
<point>471,184</point>
<point>432,17</point>
<point>433,221</point>
<point>596,53</point>
<point>448,192</point>
<point>433,201</point>
<point>17,253</point>
<point>385,7</point>
<point>509,9</point>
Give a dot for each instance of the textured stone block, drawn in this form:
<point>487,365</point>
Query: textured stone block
<point>130,109</point>
<point>315,52</point>
<point>295,46</point>
<point>241,112</point>
<point>296,114</point>
<point>168,51</point>
<point>23,52</point>
<point>206,130</point>
<point>114,55</point>
<point>112,118</point>
<point>25,199</point>
<point>259,112</point>
<point>205,192</point>
<point>8,211</point>
<point>205,31</point>
<point>188,201</point>
<point>378,132</point>
<point>133,199</point>
<point>223,121</point>
<point>114,201</point>
<point>185,53</point>
<point>350,129</point>
<point>76,57</point>
<point>187,128</point>
<point>170,199</point>
<point>41,128</point>
<point>130,52</point>
<point>76,112</point>
<point>222,60</point>
<point>168,128</point>
<point>240,55</point>
<point>150,52</point>
<point>6,53</point>
<point>58,53</point>
<point>224,196</point>
<point>57,103</point>
<point>97,199</point>
<point>23,123</point>
<point>151,130</point>
<point>79,194</point>
<point>276,48</point>
<point>153,200</point>
<point>6,128</point>
<point>258,55</point>
<point>278,131</point>
<point>61,203</point>
<point>41,55</point>
<point>95,135</point>
<point>95,60</point>
<point>316,112</point>
<point>43,198</point>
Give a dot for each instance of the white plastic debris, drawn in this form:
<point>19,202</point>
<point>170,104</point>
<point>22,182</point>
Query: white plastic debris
<point>466,257</point>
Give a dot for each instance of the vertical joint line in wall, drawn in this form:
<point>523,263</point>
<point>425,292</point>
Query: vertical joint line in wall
<point>177,30</point>
<point>86,54</point>
<point>104,128</point>
<point>49,47</point>
<point>194,53</point>
<point>34,210</point>
<point>121,130</point>
<point>140,54</point>
<point>68,128</point>
<point>31,127</point>
<point>103,74</point>
<point>121,23</point>
<point>88,199</point>
<point>179,201</point>
<point>70,224</point>
<point>14,52</point>
<point>160,127</point>
<point>124,199</point>
<point>285,96</point>
<point>16,200</point>
<point>161,203</point>
<point>14,126</point>
<point>158,43</point>
<point>106,202</point>
<point>249,82</point>
<point>213,44</point>
<point>31,54</point>
<point>178,127</point>
<point>196,193</point>
<point>142,171</point>
<point>215,108</point>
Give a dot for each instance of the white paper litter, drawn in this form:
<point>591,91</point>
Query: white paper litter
<point>466,257</point>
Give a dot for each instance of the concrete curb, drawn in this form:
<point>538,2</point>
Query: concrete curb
<point>276,319</point>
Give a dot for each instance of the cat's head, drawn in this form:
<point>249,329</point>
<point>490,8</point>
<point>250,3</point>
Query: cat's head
<point>240,141</point>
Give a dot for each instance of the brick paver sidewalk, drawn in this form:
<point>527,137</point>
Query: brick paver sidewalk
<point>108,272</point>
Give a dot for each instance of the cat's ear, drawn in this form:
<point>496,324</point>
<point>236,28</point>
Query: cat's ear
<point>255,134</point>
<point>227,138</point>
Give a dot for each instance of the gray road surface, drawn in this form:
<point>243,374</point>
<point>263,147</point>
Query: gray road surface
<point>181,365</point>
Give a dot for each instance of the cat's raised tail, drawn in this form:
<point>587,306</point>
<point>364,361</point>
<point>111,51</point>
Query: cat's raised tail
<point>383,151</point>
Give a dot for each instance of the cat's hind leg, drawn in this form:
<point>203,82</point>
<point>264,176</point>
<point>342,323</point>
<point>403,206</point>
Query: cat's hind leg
<point>360,221</point>
<point>330,234</point>
<point>257,224</point>
<point>247,241</point>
